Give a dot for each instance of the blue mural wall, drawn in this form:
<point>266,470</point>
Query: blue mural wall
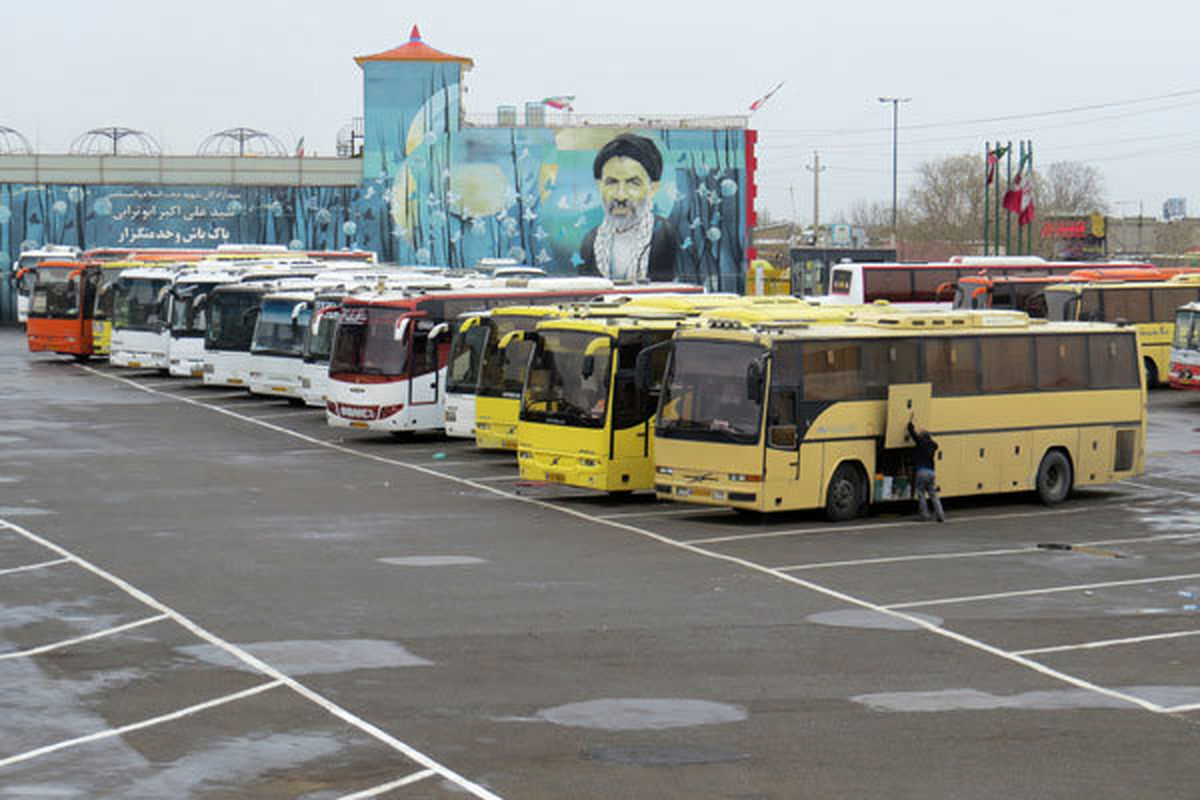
<point>530,194</point>
<point>303,218</point>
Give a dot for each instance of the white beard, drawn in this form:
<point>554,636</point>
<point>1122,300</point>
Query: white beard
<point>622,246</point>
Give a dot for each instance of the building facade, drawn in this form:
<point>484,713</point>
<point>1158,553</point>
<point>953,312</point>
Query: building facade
<point>431,187</point>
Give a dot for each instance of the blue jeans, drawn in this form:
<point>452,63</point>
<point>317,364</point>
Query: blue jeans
<point>924,486</point>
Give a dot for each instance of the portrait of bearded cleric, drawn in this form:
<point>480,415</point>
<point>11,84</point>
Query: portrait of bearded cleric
<point>632,244</point>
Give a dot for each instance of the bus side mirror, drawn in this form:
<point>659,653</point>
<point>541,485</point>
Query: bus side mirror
<point>401,329</point>
<point>754,381</point>
<point>509,338</point>
<point>470,322</point>
<point>643,367</point>
<point>296,309</point>
<point>431,341</point>
<point>589,356</point>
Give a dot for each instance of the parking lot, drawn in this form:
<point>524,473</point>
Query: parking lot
<point>207,594</point>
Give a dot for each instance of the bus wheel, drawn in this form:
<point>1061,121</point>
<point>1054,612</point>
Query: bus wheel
<point>1054,478</point>
<point>1151,373</point>
<point>846,493</point>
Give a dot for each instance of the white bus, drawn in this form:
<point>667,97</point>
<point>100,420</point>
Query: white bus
<point>141,333</point>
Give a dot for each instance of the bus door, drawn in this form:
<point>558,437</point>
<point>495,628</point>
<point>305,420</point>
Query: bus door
<point>422,363</point>
<point>629,437</point>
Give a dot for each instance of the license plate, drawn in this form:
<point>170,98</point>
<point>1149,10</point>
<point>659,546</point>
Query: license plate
<point>278,389</point>
<point>235,381</point>
<point>197,373</point>
<point>359,425</point>
<point>557,477</point>
<point>135,364</point>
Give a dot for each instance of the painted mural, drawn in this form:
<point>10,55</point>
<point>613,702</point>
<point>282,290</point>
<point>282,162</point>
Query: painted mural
<point>538,195</point>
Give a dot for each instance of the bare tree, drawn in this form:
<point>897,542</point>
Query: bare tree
<point>1069,187</point>
<point>873,217</point>
<point>946,203</point>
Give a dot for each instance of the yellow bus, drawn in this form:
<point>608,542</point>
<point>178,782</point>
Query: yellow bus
<point>776,419</point>
<point>502,371</point>
<point>1149,305</point>
<point>585,416</point>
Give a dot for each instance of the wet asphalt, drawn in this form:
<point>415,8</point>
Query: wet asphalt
<point>205,594</point>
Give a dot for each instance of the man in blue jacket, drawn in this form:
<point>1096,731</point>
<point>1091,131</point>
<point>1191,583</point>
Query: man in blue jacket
<point>925,483</point>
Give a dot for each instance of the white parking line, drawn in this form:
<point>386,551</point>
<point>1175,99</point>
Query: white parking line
<point>942,601</point>
<point>146,723</point>
<point>1182,709</point>
<point>917,621</point>
<point>239,653</point>
<point>39,565</point>
<point>86,638</point>
<point>387,787</point>
<point>666,513</point>
<point>508,477</point>
<point>870,526</point>
<point>1165,490</point>
<point>1062,648</point>
<point>295,412</point>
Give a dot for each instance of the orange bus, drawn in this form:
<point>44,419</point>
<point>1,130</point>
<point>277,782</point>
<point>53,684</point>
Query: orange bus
<point>60,308</point>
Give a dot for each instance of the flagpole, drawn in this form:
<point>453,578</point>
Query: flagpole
<point>1032,184</point>
<point>987,190</point>
<point>1008,217</point>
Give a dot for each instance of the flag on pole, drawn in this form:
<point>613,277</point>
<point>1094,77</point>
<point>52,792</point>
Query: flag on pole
<point>1026,214</point>
<point>563,102</point>
<point>993,158</point>
<point>1012,198</point>
<point>757,104</point>
<point>300,148</point>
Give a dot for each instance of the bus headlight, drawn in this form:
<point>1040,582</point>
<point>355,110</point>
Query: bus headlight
<point>525,454</point>
<point>588,462</point>
<point>664,470</point>
<point>738,477</point>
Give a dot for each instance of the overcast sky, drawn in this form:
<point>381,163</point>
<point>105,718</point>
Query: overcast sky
<point>974,71</point>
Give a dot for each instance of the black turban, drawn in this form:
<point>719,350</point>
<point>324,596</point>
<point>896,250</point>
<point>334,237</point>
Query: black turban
<point>630,145</point>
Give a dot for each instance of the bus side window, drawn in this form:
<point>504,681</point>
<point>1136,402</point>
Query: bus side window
<point>1006,364</point>
<point>1090,309</point>
<point>951,365</point>
<point>1113,361</point>
<point>1062,362</point>
<point>832,371</point>
<point>783,400</point>
<point>889,361</point>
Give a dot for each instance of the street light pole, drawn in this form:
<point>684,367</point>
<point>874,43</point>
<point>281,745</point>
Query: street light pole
<point>895,101</point>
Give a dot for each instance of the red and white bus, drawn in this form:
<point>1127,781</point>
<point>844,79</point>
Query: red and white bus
<point>931,284</point>
<point>387,368</point>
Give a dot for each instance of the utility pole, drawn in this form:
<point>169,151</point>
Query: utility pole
<point>816,169</point>
<point>895,101</point>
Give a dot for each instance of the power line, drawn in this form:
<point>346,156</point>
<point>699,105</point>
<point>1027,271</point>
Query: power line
<point>1010,117</point>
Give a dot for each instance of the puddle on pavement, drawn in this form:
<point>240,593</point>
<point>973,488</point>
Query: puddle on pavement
<point>876,620</point>
<point>641,713</point>
<point>431,561</point>
<point>1052,700</point>
<point>314,657</point>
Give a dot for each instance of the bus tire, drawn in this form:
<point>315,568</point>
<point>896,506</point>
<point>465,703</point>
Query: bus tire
<point>1151,373</point>
<point>1054,478</point>
<point>846,494</point>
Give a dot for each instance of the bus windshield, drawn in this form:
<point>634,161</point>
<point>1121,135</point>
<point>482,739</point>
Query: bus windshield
<point>557,389</point>
<point>704,394</point>
<point>136,303</point>
<point>318,344</point>
<point>277,331</point>
<point>189,313</point>
<point>231,320</point>
<point>465,353</point>
<point>503,374</point>
<point>1184,333</point>
<point>54,296</point>
<point>365,342</point>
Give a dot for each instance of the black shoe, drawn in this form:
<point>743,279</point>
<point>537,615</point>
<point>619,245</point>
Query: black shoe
<point>941,519</point>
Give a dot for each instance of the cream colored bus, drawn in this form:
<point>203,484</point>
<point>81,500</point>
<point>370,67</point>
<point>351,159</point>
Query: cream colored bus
<point>1150,305</point>
<point>764,418</point>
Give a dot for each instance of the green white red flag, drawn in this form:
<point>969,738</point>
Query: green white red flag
<point>1012,198</point>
